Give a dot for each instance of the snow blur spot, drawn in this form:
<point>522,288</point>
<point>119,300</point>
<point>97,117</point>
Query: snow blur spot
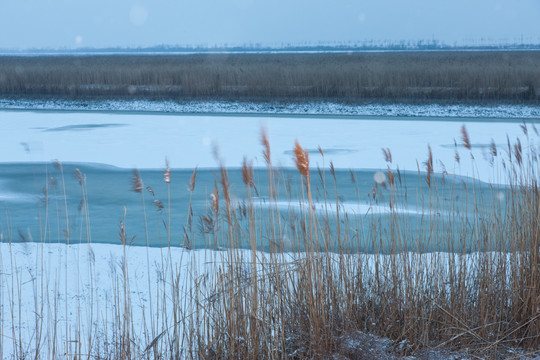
<point>500,196</point>
<point>361,17</point>
<point>78,40</point>
<point>132,89</point>
<point>206,141</point>
<point>138,15</point>
<point>379,177</point>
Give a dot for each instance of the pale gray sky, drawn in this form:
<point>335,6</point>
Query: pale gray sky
<point>126,23</point>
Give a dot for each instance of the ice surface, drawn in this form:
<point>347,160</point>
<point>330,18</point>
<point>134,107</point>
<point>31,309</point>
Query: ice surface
<point>144,140</point>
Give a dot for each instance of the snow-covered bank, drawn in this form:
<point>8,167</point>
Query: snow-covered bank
<point>49,290</point>
<point>88,291</point>
<point>280,108</point>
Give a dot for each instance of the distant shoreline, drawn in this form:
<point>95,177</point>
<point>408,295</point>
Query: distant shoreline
<point>413,77</point>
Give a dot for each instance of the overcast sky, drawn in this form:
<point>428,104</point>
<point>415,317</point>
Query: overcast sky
<point>125,23</point>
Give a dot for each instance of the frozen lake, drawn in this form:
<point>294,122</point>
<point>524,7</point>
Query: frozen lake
<point>143,140</point>
<point>106,146</point>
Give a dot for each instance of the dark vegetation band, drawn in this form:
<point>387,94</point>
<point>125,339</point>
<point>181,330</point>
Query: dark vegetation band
<point>443,75</point>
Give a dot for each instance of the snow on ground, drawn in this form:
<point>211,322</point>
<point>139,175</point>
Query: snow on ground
<point>313,108</point>
<point>33,281</point>
<point>39,304</point>
<point>38,299</point>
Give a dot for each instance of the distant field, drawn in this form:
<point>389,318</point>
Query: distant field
<point>512,76</point>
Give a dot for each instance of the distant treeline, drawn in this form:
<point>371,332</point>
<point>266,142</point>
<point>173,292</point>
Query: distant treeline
<point>433,75</point>
<point>372,45</point>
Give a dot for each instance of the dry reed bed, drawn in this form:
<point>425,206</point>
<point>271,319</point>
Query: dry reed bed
<point>482,297</point>
<point>499,75</point>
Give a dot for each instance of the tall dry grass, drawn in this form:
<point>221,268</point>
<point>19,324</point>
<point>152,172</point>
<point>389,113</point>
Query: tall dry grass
<point>447,75</point>
<point>327,279</point>
<point>482,294</point>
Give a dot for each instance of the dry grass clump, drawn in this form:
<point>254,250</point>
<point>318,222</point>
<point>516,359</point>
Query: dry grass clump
<point>446,75</point>
<point>316,281</point>
<point>482,295</point>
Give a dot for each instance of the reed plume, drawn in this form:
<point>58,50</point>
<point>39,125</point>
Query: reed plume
<point>387,154</point>
<point>391,177</point>
<point>518,151</point>
<point>158,204</point>
<point>57,165</point>
<point>122,233</point>
<point>79,176</point>
<point>247,173</point>
<point>266,145</point>
<point>191,185</point>
<point>465,137</point>
<point>493,148</point>
<point>215,199</point>
<point>167,172</point>
<point>136,182</point>
<point>523,126</point>
<point>429,166</point>
<point>301,159</point>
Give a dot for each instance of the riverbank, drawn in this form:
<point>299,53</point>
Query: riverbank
<point>460,111</point>
<point>113,301</point>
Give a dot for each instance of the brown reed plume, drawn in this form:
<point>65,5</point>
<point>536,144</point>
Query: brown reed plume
<point>388,158</point>
<point>429,166</point>
<point>387,155</point>
<point>301,157</point>
<point>191,185</point>
<point>493,148</point>
<point>266,145</point>
<point>225,184</point>
<point>136,182</point>
<point>465,137</point>
<point>391,176</point>
<point>518,151</point>
<point>57,165</point>
<point>524,128</point>
<point>159,205</point>
<point>79,176</point>
<point>247,173</point>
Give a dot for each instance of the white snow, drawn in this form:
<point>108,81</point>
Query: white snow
<point>37,297</point>
<point>502,111</point>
